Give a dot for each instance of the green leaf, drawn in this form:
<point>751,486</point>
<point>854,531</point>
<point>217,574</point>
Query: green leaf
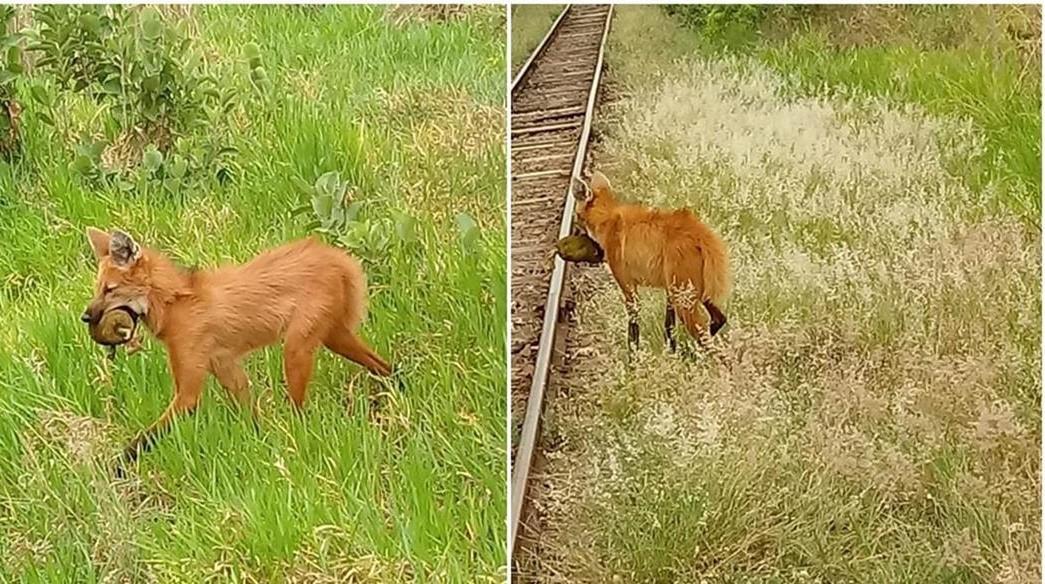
<point>178,167</point>
<point>14,60</point>
<point>151,84</point>
<point>352,211</point>
<point>6,77</point>
<point>328,182</point>
<point>152,26</point>
<point>467,228</point>
<point>45,118</point>
<point>112,86</point>
<point>152,159</point>
<point>95,149</point>
<point>81,165</point>
<point>258,75</point>
<point>405,227</point>
<point>322,204</point>
<point>91,23</point>
<point>251,51</point>
<point>39,93</point>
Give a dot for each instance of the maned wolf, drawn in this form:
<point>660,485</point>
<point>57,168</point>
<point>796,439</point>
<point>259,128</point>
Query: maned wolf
<point>671,250</point>
<point>304,293</point>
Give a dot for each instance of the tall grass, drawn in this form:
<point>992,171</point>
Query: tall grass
<point>369,484</point>
<point>882,422</point>
<point>530,22</point>
<point>981,63</point>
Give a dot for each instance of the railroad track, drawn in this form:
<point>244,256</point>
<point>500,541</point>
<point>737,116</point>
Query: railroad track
<point>552,105</point>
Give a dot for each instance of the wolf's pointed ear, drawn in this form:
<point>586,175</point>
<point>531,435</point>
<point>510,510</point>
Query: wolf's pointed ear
<point>99,241</point>
<point>600,184</point>
<point>123,249</point>
<point>583,193</point>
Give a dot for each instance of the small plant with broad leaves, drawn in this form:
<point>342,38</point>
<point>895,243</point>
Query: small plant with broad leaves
<point>130,59</point>
<point>71,43</point>
<point>171,114</point>
<point>11,69</point>
<point>341,216</point>
<point>87,162</point>
<point>259,78</point>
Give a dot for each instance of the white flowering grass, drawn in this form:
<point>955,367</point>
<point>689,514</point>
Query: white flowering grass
<point>882,423</point>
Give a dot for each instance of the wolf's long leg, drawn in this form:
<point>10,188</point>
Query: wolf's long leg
<point>696,322</point>
<point>350,346</point>
<point>229,373</point>
<point>669,326</point>
<point>298,362</point>
<point>718,320</point>
<point>189,375</point>
<point>631,303</point>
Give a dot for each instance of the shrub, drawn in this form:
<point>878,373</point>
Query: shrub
<point>130,59</point>
<point>11,69</point>
<point>144,70</point>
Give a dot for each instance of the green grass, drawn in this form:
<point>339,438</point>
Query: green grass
<point>881,422</point>
<point>530,22</point>
<point>952,60</point>
<point>412,491</point>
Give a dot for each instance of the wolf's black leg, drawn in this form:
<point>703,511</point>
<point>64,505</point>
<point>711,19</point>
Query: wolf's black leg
<point>669,326</point>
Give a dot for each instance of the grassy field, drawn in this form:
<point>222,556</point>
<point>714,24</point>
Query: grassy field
<point>980,63</point>
<point>530,22</point>
<point>882,423</point>
<point>410,112</point>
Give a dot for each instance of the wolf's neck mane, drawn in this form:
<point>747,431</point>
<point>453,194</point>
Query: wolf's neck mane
<point>169,284</point>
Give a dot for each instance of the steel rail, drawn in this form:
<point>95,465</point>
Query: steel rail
<point>537,52</point>
<point>535,402</point>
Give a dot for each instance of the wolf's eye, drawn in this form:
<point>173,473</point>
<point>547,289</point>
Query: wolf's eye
<point>109,288</point>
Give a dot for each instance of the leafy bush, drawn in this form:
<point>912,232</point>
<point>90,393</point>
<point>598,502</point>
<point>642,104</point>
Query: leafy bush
<point>714,18</point>
<point>130,59</point>
<point>11,68</point>
<point>145,71</point>
<point>732,24</point>
<point>340,215</point>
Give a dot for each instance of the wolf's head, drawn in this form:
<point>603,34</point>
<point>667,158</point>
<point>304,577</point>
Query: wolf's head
<point>592,196</point>
<point>123,279</point>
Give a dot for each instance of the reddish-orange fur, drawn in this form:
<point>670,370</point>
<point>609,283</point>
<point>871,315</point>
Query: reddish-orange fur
<point>305,293</point>
<point>671,250</point>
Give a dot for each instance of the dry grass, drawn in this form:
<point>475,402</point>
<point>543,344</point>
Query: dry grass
<point>882,423</point>
<point>401,14</point>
